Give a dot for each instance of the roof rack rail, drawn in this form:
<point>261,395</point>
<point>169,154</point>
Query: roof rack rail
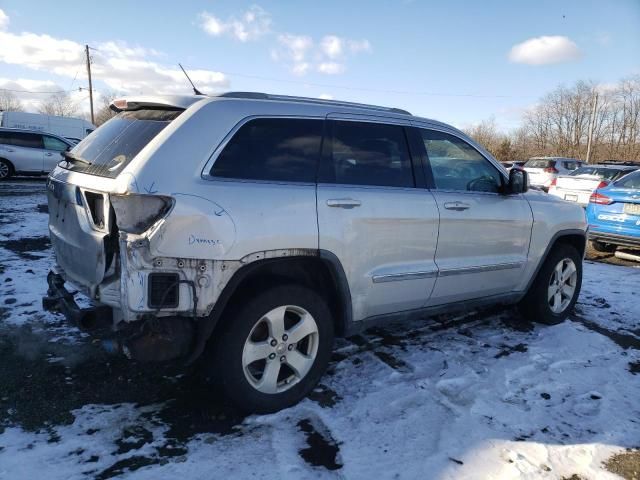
<point>625,163</point>
<point>320,101</point>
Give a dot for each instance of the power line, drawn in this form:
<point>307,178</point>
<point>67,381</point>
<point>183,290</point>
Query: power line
<point>33,91</point>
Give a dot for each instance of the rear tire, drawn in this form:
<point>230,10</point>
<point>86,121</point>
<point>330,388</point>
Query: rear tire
<point>272,349</point>
<point>555,290</point>
<point>6,169</point>
<point>602,247</point>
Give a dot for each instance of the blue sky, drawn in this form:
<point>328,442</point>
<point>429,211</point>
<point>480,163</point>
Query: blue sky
<point>447,60</point>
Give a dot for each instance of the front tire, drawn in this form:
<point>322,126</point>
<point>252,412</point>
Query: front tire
<point>273,349</point>
<point>555,290</point>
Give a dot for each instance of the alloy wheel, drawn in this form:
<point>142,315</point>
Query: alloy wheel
<point>562,285</point>
<point>280,349</point>
<point>4,170</point>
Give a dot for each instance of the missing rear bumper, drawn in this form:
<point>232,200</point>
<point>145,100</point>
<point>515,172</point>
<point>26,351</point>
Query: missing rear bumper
<point>149,339</point>
<point>59,299</point>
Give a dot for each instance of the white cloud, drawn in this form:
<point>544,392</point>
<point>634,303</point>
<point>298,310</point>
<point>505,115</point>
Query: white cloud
<point>330,68</point>
<point>545,50</point>
<point>328,56</point>
<point>325,96</point>
<point>332,46</point>
<point>4,20</point>
<point>357,46</point>
<point>32,93</point>
<point>116,65</point>
<point>294,50</point>
<point>252,24</point>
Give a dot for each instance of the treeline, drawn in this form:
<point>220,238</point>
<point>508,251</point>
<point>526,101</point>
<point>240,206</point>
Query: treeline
<point>559,125</point>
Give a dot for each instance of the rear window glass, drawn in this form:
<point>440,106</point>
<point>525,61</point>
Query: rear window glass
<point>111,147</point>
<point>629,181</point>
<point>603,173</point>
<point>540,163</point>
<point>272,149</point>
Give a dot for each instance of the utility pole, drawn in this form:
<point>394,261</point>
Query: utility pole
<point>86,49</point>
<point>592,121</point>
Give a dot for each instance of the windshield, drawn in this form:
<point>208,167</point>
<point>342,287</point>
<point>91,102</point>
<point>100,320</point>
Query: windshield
<point>631,181</point>
<point>603,173</point>
<point>540,163</point>
<point>110,148</point>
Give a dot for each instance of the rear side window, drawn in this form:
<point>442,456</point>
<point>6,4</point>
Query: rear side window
<point>540,163</point>
<point>21,139</point>
<point>360,153</point>
<point>272,149</point>
<point>570,165</point>
<point>111,147</point>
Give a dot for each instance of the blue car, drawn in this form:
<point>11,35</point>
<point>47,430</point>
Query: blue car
<point>613,214</point>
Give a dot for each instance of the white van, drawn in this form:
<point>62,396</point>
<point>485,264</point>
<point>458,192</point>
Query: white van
<point>71,128</point>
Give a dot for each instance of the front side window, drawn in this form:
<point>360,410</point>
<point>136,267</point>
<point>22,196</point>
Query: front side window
<point>272,149</point>
<point>456,165</point>
<point>360,153</point>
<point>52,143</point>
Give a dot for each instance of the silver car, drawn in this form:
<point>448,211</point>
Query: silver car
<point>27,152</point>
<point>255,228</point>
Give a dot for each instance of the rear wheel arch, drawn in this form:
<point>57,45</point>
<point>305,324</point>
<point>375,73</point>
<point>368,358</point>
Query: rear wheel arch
<point>321,272</point>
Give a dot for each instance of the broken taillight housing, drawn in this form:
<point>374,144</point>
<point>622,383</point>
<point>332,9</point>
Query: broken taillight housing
<point>137,213</point>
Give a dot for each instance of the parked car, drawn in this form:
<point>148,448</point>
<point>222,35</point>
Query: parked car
<point>24,152</point>
<point>255,228</point>
<point>510,165</point>
<point>581,183</point>
<point>614,214</point>
<point>543,170</point>
<point>66,127</point>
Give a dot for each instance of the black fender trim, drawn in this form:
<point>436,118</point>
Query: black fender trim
<point>342,286</point>
<point>559,234</point>
<point>206,325</point>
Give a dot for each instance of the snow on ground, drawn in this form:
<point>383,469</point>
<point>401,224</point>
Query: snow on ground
<point>477,396</point>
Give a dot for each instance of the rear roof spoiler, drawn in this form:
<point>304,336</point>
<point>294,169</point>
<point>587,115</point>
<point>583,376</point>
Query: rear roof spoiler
<point>173,102</point>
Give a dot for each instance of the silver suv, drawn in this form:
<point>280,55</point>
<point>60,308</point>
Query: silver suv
<point>28,152</point>
<point>255,228</point>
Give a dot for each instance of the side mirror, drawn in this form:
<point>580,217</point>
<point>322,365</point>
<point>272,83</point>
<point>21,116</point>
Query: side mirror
<point>518,181</point>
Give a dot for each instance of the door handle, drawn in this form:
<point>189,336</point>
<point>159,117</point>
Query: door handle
<point>457,206</point>
<point>9,150</point>
<point>343,202</point>
<point>49,154</point>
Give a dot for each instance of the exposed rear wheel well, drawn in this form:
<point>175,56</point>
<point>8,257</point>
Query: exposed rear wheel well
<point>311,272</point>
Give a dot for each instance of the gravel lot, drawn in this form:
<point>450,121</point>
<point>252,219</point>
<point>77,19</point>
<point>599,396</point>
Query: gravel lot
<point>483,394</point>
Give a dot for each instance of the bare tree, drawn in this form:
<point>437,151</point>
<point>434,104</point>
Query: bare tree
<point>105,113</point>
<point>9,102</point>
<point>59,104</point>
